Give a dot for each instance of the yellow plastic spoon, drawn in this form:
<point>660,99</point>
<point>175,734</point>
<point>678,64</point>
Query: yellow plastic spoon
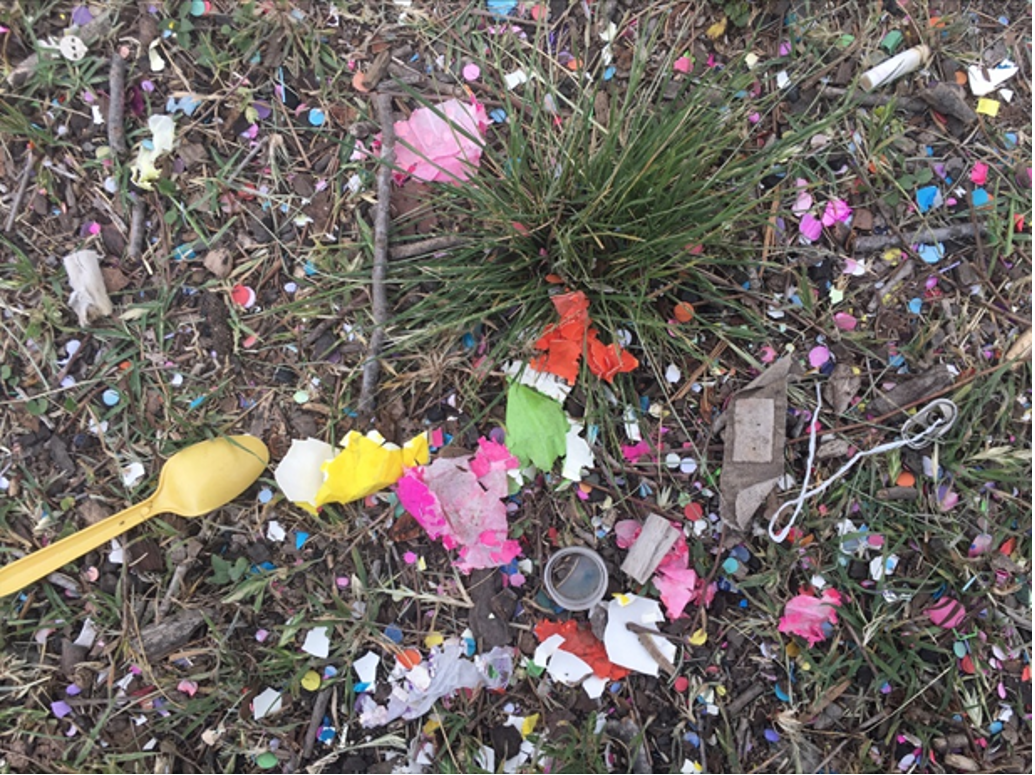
<point>194,481</point>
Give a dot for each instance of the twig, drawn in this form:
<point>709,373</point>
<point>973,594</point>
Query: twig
<point>136,230</point>
<point>874,100</point>
<point>378,295</point>
<point>431,245</point>
<point>117,104</point>
<point>319,708</point>
<point>19,194</point>
<point>958,231</point>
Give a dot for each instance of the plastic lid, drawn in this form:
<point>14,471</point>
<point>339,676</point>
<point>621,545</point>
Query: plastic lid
<point>576,578</point>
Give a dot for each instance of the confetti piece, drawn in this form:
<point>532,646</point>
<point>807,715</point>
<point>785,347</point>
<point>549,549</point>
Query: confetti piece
<point>844,321</point>
<point>947,613</point>
<point>818,356</point>
<point>311,681</point>
<point>988,107</point>
<point>471,72</point>
<point>683,65</point>
<point>979,174</point>
<point>698,638</point>
<point>243,296</point>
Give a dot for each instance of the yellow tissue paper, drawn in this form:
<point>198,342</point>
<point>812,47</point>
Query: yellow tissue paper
<point>368,464</point>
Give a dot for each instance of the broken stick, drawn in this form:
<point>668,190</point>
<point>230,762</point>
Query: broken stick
<point>880,242</point>
<point>378,293</point>
<point>117,104</point>
<point>19,194</point>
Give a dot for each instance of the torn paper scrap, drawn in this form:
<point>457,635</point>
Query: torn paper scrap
<point>623,646</point>
<point>366,668</point>
<point>89,297</point>
<point>754,442</point>
<point>143,169</point>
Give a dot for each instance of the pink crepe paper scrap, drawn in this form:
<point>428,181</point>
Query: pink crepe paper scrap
<point>804,201</point>
<point>844,321</point>
<point>854,268</point>
<point>190,688</point>
<point>805,615</point>
<point>433,147</point>
<point>680,587</point>
<point>836,211</point>
<point>947,613</point>
<point>979,175</point>
<point>767,354</point>
<point>633,452</point>
<point>683,65</point>
<point>460,501</point>
<point>810,227</point>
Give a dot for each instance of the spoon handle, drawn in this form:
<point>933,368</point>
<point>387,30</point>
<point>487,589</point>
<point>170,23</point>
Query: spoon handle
<point>20,573</point>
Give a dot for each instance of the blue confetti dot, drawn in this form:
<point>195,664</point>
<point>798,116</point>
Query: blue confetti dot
<point>317,117</point>
<point>394,634</point>
<point>300,538</point>
<point>928,197</point>
<point>498,115</point>
<point>979,197</point>
<point>693,739</point>
<point>1010,140</point>
<point>915,305</point>
<point>995,727</point>
<point>609,72</point>
<point>730,565</point>
<point>197,402</point>
<point>468,341</point>
<point>327,734</point>
<point>781,694</point>
<point>772,735</point>
<point>931,254</point>
<point>615,687</point>
<point>743,603</point>
<point>265,495</point>
<point>110,397</point>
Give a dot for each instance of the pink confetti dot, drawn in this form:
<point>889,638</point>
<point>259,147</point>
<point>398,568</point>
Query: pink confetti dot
<point>410,558</point>
<point>844,321</point>
<point>683,65</point>
<point>818,356</point>
<point>471,72</point>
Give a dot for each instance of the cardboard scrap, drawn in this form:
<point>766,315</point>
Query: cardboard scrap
<point>646,554</point>
<point>754,441</point>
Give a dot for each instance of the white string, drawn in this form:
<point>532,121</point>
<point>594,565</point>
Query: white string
<point>916,439</point>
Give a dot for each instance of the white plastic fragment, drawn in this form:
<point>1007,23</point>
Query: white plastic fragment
<point>985,80</point>
<point>515,79</point>
<point>317,643</point>
<point>87,635</point>
<point>133,473</point>
<point>299,475</point>
<point>143,171</point>
<point>267,703</point>
<point>578,455</point>
<point>623,645</point>
<point>275,531</point>
<point>89,298</point>
<point>366,667</point>
<point>117,555</point>
<point>154,58</point>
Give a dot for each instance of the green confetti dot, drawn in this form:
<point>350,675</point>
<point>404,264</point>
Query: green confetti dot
<point>266,761</point>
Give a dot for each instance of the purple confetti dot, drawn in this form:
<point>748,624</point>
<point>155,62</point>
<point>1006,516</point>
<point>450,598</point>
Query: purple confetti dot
<point>60,708</point>
<point>772,736</point>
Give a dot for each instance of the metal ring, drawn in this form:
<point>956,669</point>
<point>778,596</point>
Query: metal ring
<point>931,422</point>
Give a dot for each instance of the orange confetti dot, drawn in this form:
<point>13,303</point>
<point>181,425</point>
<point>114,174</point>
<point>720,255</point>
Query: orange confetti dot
<point>409,659</point>
<point>125,365</point>
<point>1008,546</point>
<point>555,279</point>
<point>693,511</point>
<point>961,78</point>
<point>359,82</point>
<point>684,312</point>
<point>905,479</point>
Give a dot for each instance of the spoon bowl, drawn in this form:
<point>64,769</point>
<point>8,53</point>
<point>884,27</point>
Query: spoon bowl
<point>194,481</point>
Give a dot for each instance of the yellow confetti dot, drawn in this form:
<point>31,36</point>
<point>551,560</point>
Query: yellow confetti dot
<point>988,107</point>
<point>806,666</point>
<point>892,254</point>
<point>716,30</point>
<point>699,638</point>
<point>792,649</point>
<point>422,565</point>
<point>431,727</point>
<point>311,681</point>
<point>528,725</point>
<point>433,639</point>
<point>622,599</point>
<point>720,690</point>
